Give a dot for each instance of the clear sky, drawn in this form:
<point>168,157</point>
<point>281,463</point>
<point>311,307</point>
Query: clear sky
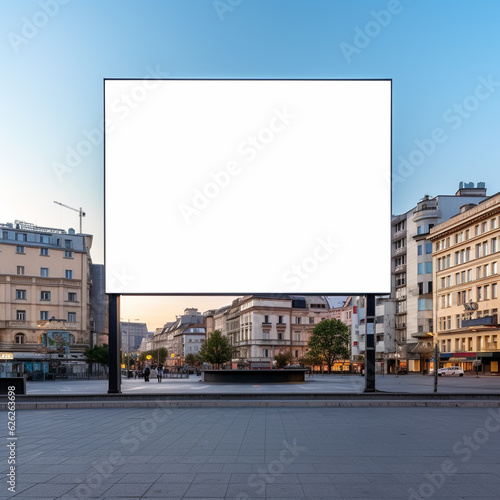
<point>443,58</point>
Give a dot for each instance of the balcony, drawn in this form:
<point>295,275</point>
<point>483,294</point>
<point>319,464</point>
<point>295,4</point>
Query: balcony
<point>399,269</point>
<point>485,321</point>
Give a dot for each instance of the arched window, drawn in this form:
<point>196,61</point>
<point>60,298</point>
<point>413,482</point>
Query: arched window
<point>20,338</point>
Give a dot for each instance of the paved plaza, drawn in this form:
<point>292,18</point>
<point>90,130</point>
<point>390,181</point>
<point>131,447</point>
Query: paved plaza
<point>316,384</point>
<point>245,453</point>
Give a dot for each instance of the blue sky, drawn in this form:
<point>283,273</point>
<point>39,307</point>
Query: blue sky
<point>442,57</point>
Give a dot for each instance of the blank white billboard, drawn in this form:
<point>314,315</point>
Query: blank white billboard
<point>247,186</point>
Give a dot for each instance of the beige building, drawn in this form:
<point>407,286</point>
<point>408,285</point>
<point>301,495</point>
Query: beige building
<point>466,260</point>
<point>44,296</point>
<point>261,326</point>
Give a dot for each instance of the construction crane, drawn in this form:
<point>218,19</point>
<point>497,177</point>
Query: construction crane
<point>80,212</point>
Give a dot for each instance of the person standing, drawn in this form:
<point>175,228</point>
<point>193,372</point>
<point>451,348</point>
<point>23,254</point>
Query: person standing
<point>147,371</point>
<point>159,373</point>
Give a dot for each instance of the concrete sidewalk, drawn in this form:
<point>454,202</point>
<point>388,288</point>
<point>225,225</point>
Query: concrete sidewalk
<point>228,453</point>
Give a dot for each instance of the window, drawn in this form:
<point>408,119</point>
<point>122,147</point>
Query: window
<point>68,254</point>
<point>479,252</point>
<point>469,275</point>
<point>486,290</point>
<point>311,321</point>
<point>21,237</point>
<point>462,277</point>
<point>424,268</point>
<point>457,258</point>
<point>44,272</point>
<point>44,251</point>
<point>72,298</point>
<point>494,293</point>
<point>20,338</point>
<point>425,304</point>
<point>457,278</point>
<point>280,336</point>
<point>265,334</point>
<point>476,230</point>
<point>429,287</point>
<point>44,315</point>
<point>457,321</point>
<point>493,224</point>
<point>21,315</point>
<point>428,248</point>
<point>479,293</point>
<point>69,274</point>
<point>20,270</point>
<point>419,250</point>
<point>484,227</point>
<point>44,295</point>
<point>298,320</point>
<point>478,272</point>
<point>493,268</point>
<point>486,270</point>
<point>280,320</point>
<point>266,353</point>
<point>296,353</point>
<point>68,244</point>
<point>493,245</point>
<point>44,238</point>
<point>467,234</point>
<point>20,294</point>
<point>266,319</point>
<point>72,317</point>
<point>420,288</point>
<point>19,249</point>
<point>485,248</point>
<point>298,337</point>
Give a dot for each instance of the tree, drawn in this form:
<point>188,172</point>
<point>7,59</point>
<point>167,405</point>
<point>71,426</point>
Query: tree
<point>330,340</point>
<point>97,354</point>
<point>282,359</point>
<point>158,356</point>
<point>192,359</point>
<point>216,349</point>
<point>311,361</point>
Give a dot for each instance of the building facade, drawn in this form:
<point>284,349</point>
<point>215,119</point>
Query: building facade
<point>261,326</point>
<point>466,263</point>
<point>181,337</point>
<point>412,271</point>
<point>44,297</point>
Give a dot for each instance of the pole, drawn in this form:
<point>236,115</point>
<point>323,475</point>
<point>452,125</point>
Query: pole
<point>114,385</point>
<point>370,343</point>
<point>436,366</point>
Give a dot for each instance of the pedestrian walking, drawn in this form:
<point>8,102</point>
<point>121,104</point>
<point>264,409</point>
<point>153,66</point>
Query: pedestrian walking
<point>159,373</point>
<point>147,371</point>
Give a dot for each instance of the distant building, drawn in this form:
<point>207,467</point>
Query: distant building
<point>181,337</point>
<point>466,256</point>
<point>261,326</point>
<point>99,306</point>
<point>132,335</point>
<point>45,313</point>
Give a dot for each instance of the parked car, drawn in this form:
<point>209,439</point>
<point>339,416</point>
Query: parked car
<point>451,370</point>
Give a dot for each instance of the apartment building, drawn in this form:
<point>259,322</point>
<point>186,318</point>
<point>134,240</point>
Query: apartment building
<point>412,271</point>
<point>45,320</point>
<point>261,326</point>
<point>466,261</point>
<point>181,337</point>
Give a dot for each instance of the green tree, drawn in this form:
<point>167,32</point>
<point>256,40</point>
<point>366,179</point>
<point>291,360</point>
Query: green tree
<point>311,361</point>
<point>282,359</point>
<point>193,359</point>
<point>158,356</point>
<point>330,340</point>
<point>216,349</point>
<point>97,354</point>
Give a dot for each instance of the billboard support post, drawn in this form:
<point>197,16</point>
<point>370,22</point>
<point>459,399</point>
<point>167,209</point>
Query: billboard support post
<point>370,344</point>
<point>115,378</point>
